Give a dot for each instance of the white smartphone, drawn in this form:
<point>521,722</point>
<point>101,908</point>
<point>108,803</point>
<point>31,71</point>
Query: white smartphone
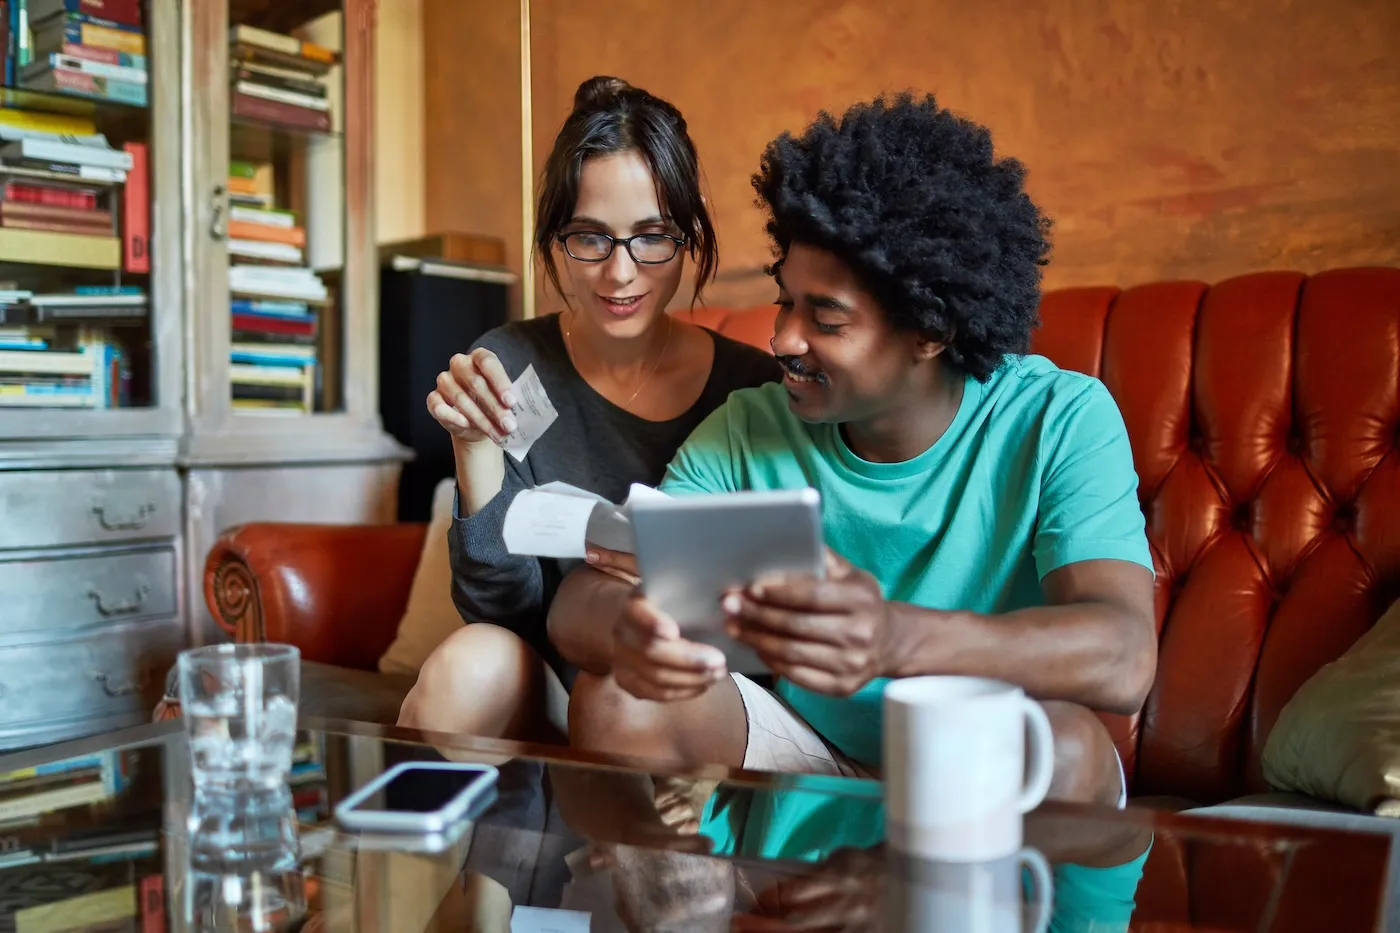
<point>691,549</point>
<point>419,797</point>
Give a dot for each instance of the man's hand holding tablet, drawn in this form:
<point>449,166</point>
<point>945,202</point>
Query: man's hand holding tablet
<point>674,639</point>
<point>829,635</point>
<point>652,661</point>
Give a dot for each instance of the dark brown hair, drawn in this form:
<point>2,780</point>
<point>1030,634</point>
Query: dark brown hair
<point>611,116</point>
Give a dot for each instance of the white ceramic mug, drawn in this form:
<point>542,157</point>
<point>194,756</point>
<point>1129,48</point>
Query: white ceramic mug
<point>969,897</point>
<point>958,770</point>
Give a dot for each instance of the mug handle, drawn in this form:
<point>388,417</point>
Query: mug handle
<point>1042,756</point>
<point>1033,860</point>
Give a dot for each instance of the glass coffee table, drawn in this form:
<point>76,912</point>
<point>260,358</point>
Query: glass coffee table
<point>94,836</point>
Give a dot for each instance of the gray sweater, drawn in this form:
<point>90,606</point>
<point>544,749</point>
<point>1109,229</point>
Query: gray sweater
<point>593,445</point>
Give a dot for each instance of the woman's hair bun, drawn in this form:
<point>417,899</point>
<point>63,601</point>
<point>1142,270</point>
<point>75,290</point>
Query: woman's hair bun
<point>598,91</point>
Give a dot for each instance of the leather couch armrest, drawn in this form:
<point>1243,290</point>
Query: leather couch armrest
<point>337,592</point>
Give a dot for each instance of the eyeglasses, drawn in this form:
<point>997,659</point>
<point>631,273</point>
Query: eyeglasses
<point>645,248</point>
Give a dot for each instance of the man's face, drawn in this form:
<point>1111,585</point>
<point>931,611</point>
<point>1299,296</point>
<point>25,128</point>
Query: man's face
<point>843,360</point>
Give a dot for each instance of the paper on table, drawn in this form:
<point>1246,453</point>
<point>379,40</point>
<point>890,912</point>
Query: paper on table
<point>559,520</point>
<point>533,411</point>
<point>525,919</point>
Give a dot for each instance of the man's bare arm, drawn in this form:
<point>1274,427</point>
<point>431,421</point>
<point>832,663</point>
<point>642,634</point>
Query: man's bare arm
<point>1094,643</point>
<point>581,617</point>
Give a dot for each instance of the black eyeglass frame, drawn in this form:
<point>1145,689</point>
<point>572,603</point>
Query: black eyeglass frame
<point>626,242</point>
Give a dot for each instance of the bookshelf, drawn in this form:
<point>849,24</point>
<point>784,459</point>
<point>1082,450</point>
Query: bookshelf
<point>282,407</point>
<point>89,242</point>
<point>188,324</point>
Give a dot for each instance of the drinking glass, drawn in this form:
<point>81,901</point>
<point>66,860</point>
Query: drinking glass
<point>240,709</point>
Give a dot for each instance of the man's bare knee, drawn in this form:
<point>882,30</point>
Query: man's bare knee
<point>710,729</point>
<point>604,717</point>
<point>1086,764</point>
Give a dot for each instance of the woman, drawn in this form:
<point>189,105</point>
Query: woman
<point>619,210</point>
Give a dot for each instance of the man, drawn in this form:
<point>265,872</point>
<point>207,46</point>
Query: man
<point>981,504</point>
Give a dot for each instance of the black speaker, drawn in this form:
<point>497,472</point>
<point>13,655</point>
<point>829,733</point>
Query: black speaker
<point>428,310</point>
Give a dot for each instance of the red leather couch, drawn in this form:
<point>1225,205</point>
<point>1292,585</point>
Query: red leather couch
<point>1264,413</point>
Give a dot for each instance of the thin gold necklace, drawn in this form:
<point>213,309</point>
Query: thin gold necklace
<point>665,345</point>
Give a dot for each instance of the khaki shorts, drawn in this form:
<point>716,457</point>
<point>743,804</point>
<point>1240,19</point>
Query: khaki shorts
<point>781,740</point>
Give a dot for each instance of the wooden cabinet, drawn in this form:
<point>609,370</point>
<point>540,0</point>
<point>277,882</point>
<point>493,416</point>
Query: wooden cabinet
<point>188,326</point>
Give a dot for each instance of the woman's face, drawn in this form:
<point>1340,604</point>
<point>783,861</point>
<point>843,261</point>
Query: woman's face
<point>620,296</point>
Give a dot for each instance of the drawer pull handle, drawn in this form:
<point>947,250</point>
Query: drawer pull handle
<point>127,607</point>
<point>119,522</point>
<point>115,686</point>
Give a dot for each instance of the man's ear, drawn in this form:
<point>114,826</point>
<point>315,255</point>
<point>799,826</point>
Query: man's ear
<point>927,348</point>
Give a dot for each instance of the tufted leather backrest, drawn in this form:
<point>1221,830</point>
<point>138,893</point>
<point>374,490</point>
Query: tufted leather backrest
<point>1264,413</point>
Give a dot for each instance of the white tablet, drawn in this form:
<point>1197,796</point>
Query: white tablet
<point>691,549</point>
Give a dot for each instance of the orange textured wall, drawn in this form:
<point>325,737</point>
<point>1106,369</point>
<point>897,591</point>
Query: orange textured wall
<point>1166,139</point>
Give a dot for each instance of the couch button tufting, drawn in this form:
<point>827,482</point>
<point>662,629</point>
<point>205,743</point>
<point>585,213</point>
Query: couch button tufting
<point>1344,519</point>
<point>1294,442</point>
<point>1242,516</point>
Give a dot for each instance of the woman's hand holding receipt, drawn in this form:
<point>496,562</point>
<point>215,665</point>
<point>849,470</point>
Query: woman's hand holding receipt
<point>476,402</point>
<point>617,564</point>
<point>473,398</point>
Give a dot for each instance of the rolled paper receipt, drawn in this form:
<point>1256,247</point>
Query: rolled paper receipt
<point>559,520</point>
<point>533,414</point>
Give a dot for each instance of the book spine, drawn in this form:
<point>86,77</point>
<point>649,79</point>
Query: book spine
<point>103,37</point>
<point>95,228</point>
<point>272,111</point>
<point>265,233</point>
<point>74,63</point>
<point>45,194</point>
<point>287,97</point>
<point>6,44</point>
<point>254,75</point>
<point>124,12</point>
<point>103,56</point>
<point>25,210</point>
<point>136,212</point>
<point>78,82</point>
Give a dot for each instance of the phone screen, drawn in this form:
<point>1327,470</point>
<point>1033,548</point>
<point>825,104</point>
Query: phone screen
<point>420,790</point>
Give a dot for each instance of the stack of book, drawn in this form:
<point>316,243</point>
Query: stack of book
<point>275,298</point>
<point>70,198</point>
<point>30,793</point>
<point>279,79</point>
<point>40,370</point>
<point>88,48</point>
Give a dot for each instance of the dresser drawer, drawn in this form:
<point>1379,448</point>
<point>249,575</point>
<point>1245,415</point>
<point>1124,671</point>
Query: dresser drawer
<point>108,674</point>
<point>49,508</point>
<point>86,588</point>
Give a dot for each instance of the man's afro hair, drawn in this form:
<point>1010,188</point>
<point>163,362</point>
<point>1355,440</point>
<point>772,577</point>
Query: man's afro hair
<point>937,229</point>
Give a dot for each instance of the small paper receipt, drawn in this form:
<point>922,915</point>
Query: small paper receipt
<point>533,414</point>
<point>548,920</point>
<point>559,520</point>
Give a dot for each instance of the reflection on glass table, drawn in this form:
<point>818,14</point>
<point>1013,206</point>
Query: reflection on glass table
<point>103,832</point>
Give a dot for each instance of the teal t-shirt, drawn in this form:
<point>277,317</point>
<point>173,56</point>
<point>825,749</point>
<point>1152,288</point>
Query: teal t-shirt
<point>1035,472</point>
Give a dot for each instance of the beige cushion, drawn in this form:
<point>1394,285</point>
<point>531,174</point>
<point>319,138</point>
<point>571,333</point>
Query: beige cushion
<point>1339,737</point>
<point>430,615</point>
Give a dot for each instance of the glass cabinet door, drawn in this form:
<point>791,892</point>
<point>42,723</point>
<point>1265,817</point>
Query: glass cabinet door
<point>80,139</point>
<point>285,232</point>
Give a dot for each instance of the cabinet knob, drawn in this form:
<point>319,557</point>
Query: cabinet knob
<point>114,520</point>
<point>108,607</point>
<point>218,204</point>
<point>120,685</point>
